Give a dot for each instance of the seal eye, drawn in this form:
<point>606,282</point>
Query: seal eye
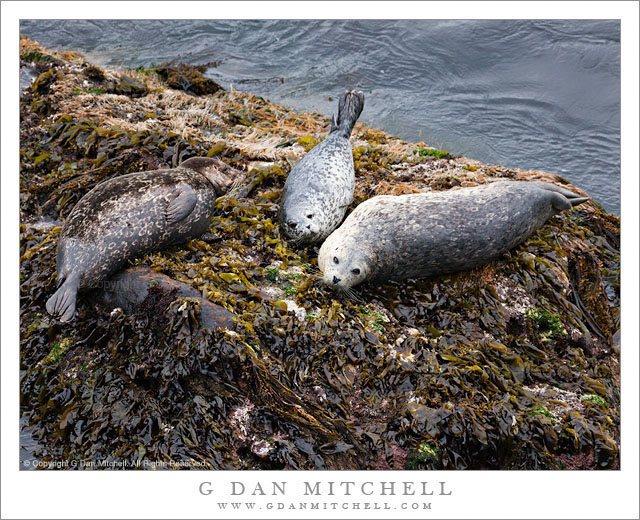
<point>309,216</point>
<point>355,271</point>
<point>335,260</point>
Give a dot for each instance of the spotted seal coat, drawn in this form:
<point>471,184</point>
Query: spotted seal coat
<point>130,216</point>
<point>425,234</point>
<point>320,186</point>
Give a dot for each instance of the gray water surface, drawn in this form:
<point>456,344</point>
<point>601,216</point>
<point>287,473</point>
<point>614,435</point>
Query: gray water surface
<point>539,94</point>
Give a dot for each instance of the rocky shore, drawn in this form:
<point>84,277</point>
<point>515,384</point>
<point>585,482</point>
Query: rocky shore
<point>227,352</point>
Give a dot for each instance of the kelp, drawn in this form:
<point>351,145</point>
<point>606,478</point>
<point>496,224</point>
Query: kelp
<point>508,366</point>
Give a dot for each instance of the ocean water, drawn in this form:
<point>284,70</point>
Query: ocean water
<point>541,94</point>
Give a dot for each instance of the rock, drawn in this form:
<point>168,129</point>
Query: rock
<point>27,75</point>
<point>188,78</point>
<point>128,87</point>
<point>130,289</point>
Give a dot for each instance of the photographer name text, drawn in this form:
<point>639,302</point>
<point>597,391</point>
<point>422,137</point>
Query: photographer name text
<point>346,488</point>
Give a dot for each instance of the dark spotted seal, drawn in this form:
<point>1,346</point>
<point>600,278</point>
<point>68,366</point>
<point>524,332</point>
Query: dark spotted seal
<point>320,187</point>
<point>130,216</point>
<point>425,234</point>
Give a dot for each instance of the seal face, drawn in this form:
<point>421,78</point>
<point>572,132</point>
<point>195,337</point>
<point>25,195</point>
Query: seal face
<point>320,187</point>
<point>426,234</point>
<point>130,216</point>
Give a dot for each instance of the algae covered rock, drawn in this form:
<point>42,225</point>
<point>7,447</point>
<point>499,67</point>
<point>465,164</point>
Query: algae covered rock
<point>188,78</point>
<point>509,366</point>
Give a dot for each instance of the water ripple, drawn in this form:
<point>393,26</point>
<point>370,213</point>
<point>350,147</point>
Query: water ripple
<point>524,93</point>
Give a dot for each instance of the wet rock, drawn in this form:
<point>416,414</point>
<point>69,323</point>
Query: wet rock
<point>128,87</point>
<point>131,289</point>
<point>188,78</point>
<point>27,75</point>
<point>94,73</point>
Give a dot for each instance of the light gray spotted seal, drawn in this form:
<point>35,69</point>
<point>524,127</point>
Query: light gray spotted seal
<point>130,216</point>
<point>426,234</point>
<point>320,186</point>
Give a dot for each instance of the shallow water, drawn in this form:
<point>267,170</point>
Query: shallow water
<point>521,93</point>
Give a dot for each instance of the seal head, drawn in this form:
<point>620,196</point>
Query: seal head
<point>344,264</point>
<point>221,176</point>
<point>320,186</point>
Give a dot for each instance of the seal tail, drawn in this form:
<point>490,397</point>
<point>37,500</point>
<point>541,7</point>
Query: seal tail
<point>562,198</point>
<point>349,109</point>
<point>63,303</point>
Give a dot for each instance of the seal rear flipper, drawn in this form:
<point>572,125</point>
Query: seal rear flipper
<point>561,198</point>
<point>181,204</point>
<point>574,201</point>
<point>62,304</point>
<point>349,109</point>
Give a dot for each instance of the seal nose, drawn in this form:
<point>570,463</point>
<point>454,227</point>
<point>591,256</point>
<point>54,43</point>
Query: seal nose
<point>336,279</point>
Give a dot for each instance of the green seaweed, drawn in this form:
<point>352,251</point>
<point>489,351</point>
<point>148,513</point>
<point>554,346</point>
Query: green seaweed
<point>272,274</point>
<point>57,352</point>
<point>548,323</point>
<point>96,90</point>
<point>290,290</point>
<point>425,456</point>
<point>539,410</point>
<point>36,56</point>
<point>432,152</point>
<point>596,399</point>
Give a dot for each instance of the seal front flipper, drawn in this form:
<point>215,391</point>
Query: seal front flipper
<point>182,203</point>
<point>63,303</point>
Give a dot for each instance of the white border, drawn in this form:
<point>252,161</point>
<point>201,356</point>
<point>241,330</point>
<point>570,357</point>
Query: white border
<point>65,494</point>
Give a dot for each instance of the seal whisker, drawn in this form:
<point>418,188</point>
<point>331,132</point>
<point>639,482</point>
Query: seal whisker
<point>353,295</point>
<point>235,186</point>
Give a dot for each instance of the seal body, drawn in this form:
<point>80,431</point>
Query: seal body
<point>425,234</point>
<point>130,216</point>
<point>320,186</point>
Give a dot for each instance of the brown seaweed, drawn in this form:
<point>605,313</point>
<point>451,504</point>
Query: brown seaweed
<point>508,366</point>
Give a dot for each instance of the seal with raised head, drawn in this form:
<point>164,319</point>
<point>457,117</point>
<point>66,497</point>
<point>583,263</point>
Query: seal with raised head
<point>132,215</point>
<point>320,186</point>
<point>425,234</point>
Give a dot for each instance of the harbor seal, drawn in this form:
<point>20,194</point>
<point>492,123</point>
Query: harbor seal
<point>130,216</point>
<point>320,186</point>
<point>426,234</point>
